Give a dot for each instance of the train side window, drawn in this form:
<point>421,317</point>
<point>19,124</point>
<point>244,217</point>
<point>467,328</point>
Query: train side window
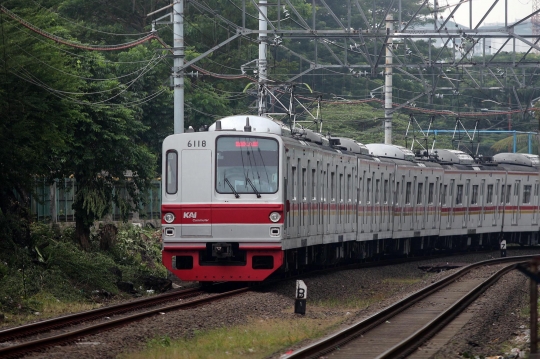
<point>349,189</point>
<point>341,187</point>
<point>368,190</point>
<point>377,190</point>
<point>431,189</point>
<point>396,200</point>
<point>503,191</point>
<point>360,186</point>
<point>420,193</point>
<point>293,183</point>
<point>443,195</point>
<point>527,193</point>
<point>459,194</point>
<point>171,179</point>
<point>333,186</point>
<point>304,182</point>
<point>508,193</point>
<point>474,197</point>
<point>408,193</point>
<point>385,191</point>
<point>489,198</point>
<point>313,187</point>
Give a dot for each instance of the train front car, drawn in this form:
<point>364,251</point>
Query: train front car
<point>222,207</point>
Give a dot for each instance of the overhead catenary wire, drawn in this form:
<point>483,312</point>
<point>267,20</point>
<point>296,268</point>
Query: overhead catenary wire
<point>74,44</point>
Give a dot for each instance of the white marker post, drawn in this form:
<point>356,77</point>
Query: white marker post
<point>503,248</point>
<point>301,296</point>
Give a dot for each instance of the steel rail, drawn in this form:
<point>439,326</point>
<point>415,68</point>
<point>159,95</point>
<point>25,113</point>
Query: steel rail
<point>23,348</point>
<point>341,338</point>
<point>58,322</point>
<point>414,341</point>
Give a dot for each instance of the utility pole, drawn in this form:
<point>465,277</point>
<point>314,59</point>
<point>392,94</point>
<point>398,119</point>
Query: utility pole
<point>388,83</point>
<point>178,72</point>
<point>262,68</point>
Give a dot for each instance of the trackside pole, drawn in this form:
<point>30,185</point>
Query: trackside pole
<point>503,248</point>
<point>301,297</point>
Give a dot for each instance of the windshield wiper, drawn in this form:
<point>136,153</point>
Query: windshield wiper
<point>232,188</point>
<point>252,186</point>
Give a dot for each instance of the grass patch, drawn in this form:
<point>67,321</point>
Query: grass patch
<point>258,339</point>
<point>45,305</point>
<point>352,303</point>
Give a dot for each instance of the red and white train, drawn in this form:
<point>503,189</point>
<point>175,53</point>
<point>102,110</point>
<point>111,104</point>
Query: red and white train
<point>250,197</point>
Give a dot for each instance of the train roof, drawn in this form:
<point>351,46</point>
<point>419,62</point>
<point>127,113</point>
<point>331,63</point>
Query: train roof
<point>246,123</point>
<point>523,159</point>
<point>390,151</point>
<point>453,156</point>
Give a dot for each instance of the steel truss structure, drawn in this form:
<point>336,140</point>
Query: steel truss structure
<point>384,38</point>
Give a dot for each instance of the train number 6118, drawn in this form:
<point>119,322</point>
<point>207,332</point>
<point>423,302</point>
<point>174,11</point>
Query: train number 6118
<point>196,143</point>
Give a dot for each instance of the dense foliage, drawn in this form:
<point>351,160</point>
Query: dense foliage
<point>55,268</point>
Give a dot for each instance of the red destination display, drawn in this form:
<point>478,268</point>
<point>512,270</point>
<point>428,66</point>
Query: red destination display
<point>247,144</point>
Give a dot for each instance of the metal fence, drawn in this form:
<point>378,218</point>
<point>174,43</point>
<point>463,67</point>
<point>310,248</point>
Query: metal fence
<point>62,192</point>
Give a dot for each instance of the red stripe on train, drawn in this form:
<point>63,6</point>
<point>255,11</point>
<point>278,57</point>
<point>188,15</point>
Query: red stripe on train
<point>205,214</point>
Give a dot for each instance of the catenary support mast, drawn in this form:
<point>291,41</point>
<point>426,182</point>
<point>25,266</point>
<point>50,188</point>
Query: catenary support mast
<point>262,68</point>
<point>178,71</point>
<point>388,83</point>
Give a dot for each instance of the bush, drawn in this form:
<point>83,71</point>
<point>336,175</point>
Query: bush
<point>53,265</point>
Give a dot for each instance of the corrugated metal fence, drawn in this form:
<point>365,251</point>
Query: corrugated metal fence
<point>63,192</point>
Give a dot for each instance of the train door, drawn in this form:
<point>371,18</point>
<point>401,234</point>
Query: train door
<point>399,201</point>
<point>452,203</point>
<point>317,197</point>
<point>197,189</point>
<point>407,207</point>
<point>333,196</point>
<point>443,203</point>
<point>293,183</point>
<point>481,203</point>
<point>420,200</point>
<point>368,205</point>
<point>413,202</point>
<point>516,210</point>
<point>496,201</point>
<point>535,203</point>
<point>326,197</point>
<point>305,200</point>
<point>302,173</point>
<point>361,203</point>
<point>377,204</point>
<point>387,200</point>
<point>466,202</point>
<point>432,206</point>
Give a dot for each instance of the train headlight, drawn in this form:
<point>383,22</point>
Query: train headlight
<point>275,217</point>
<point>168,217</point>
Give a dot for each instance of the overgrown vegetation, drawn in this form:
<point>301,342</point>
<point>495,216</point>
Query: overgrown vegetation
<point>52,274</point>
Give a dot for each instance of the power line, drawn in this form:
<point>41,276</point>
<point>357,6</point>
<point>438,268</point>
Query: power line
<point>58,39</point>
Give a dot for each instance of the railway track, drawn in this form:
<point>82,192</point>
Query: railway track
<point>103,316</point>
<point>399,330</point>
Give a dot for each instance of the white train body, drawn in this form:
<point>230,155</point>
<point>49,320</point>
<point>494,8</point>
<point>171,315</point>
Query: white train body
<point>242,201</point>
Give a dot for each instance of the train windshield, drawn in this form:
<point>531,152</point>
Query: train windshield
<point>246,165</point>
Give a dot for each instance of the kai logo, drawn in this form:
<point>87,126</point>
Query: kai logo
<point>190,214</point>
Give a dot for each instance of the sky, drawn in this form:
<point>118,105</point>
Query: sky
<point>517,9</point>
